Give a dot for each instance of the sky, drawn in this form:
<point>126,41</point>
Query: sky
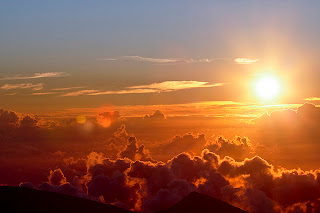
<point>124,102</point>
<point>105,48</point>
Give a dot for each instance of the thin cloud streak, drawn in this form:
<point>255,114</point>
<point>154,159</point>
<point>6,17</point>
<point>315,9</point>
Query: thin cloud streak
<point>245,60</point>
<point>22,86</point>
<point>37,75</point>
<point>80,92</point>
<point>312,99</point>
<point>161,60</point>
<point>120,92</point>
<point>166,86</point>
<point>67,88</point>
<point>43,93</point>
<point>176,85</point>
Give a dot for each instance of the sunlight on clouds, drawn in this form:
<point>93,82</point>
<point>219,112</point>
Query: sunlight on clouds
<point>81,119</point>
<point>120,92</point>
<point>245,60</point>
<point>37,75</point>
<point>312,99</point>
<point>22,86</point>
<point>162,60</point>
<point>176,85</point>
<point>43,93</point>
<point>166,86</point>
<point>81,92</point>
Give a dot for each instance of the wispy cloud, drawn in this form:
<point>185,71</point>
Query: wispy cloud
<point>162,60</point>
<point>67,88</point>
<point>246,60</point>
<point>37,75</point>
<point>166,86</point>
<point>43,93</point>
<point>175,85</point>
<point>312,99</point>
<point>80,92</point>
<point>22,86</point>
<point>126,91</point>
<point>10,94</point>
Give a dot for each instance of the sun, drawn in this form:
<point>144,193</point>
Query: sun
<point>267,87</point>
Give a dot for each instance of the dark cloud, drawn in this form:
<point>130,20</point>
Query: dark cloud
<point>238,148</point>
<point>157,115</point>
<point>135,152</point>
<point>112,164</point>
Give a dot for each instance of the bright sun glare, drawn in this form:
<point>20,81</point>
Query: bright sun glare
<point>267,87</point>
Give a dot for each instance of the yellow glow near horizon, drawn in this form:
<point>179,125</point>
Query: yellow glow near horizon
<point>81,119</point>
<point>267,87</point>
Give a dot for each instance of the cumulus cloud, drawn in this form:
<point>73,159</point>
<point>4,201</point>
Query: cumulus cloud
<point>185,143</point>
<point>245,60</point>
<point>136,180</point>
<point>237,148</point>
<point>151,186</point>
<point>306,115</point>
<point>161,60</point>
<point>157,115</point>
<point>135,152</point>
<point>56,177</point>
<point>38,86</point>
<point>37,75</point>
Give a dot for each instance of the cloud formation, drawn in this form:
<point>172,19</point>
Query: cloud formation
<point>165,86</point>
<point>38,86</point>
<point>168,86</point>
<point>134,178</point>
<point>80,92</point>
<point>161,60</point>
<point>245,60</point>
<point>37,75</point>
<point>312,99</point>
<point>252,184</point>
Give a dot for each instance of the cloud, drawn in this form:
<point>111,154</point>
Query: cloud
<point>121,92</point>
<point>80,92</point>
<point>38,86</point>
<point>135,152</point>
<point>130,180</point>
<point>10,94</point>
<point>245,60</point>
<point>161,60</point>
<point>157,115</point>
<point>165,86</point>
<point>37,75</point>
<point>136,181</point>
<point>238,148</point>
<point>312,99</point>
<point>67,88</point>
<point>56,177</point>
<point>43,93</point>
